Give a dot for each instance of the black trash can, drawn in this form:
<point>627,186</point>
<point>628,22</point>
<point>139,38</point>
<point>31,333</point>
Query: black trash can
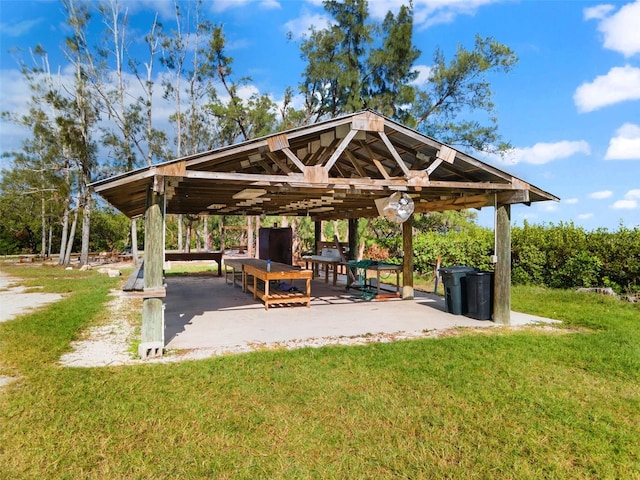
<point>455,288</point>
<point>480,295</point>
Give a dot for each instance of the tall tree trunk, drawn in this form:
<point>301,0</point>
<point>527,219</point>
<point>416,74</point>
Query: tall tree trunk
<point>295,242</point>
<point>50,240</point>
<point>258,224</point>
<point>205,233</point>
<point>43,214</point>
<point>188,238</point>
<point>86,227</point>
<point>134,240</point>
<point>72,234</point>
<point>222,239</point>
<point>250,236</point>
<point>180,248</point>
<point>336,231</point>
<point>65,232</point>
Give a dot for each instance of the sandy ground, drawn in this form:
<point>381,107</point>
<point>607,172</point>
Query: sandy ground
<point>16,299</point>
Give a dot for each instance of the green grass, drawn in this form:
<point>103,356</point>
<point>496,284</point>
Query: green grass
<point>508,404</point>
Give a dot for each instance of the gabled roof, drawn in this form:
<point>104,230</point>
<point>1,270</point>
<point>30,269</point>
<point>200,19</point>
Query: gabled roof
<point>330,170</point>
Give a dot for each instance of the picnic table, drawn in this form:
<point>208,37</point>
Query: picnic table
<point>379,268</point>
<point>258,275</point>
<point>187,257</point>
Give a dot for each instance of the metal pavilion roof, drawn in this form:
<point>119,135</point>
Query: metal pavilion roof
<point>330,170</point>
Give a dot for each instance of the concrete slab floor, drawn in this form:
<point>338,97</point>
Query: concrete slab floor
<point>204,312</point>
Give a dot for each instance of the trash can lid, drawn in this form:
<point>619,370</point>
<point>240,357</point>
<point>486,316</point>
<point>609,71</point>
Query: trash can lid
<point>458,269</point>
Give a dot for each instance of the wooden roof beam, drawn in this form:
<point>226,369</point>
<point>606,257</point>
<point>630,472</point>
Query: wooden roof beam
<point>281,165</point>
<point>459,203</point>
<point>294,159</point>
<point>356,164</point>
<point>394,153</point>
<point>341,147</point>
<point>281,143</point>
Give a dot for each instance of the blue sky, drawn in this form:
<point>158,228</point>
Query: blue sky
<point>571,107</point>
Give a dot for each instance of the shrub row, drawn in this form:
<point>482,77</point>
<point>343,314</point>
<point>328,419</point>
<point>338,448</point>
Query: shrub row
<point>558,256</point>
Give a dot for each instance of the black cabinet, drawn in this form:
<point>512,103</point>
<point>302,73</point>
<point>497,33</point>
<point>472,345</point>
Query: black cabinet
<point>276,244</point>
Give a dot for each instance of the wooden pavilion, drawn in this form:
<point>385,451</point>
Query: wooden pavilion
<point>335,169</point>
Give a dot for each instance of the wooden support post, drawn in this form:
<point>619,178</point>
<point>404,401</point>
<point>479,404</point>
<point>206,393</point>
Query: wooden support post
<point>354,239</point>
<point>250,236</point>
<point>317,235</point>
<point>407,269</point>
<point>152,338</point>
<point>502,278</point>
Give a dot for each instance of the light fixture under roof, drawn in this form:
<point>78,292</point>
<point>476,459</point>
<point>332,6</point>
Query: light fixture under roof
<point>216,206</point>
<point>396,208</point>
<point>249,193</point>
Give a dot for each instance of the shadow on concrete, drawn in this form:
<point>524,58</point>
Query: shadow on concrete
<point>205,311</point>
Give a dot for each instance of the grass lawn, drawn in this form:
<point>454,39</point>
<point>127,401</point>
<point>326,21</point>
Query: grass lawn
<point>507,404</point>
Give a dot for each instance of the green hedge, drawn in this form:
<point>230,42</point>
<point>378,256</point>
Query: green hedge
<point>565,256</point>
<point>559,256</point>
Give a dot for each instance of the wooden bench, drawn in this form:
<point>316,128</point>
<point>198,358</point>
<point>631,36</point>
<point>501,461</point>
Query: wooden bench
<point>135,282</point>
<point>134,286</point>
<point>187,257</point>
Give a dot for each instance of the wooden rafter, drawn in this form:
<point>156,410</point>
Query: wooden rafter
<point>341,147</point>
<point>394,153</point>
<point>357,158</point>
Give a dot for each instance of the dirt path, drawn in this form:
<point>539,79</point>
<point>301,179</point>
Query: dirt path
<point>16,299</point>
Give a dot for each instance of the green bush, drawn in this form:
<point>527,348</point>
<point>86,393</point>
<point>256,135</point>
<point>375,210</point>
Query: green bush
<point>567,256</point>
<point>559,256</point>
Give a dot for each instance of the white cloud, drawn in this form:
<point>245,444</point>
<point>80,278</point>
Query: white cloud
<point>165,9</point>
<point>222,5</point>
<point>626,144</point>
<point>598,12</point>
<point>633,194</point>
<point>427,13</point>
<point>601,195</point>
<point>549,207</point>
<point>619,85</point>
<point>15,92</point>
<point>19,29</point>
<point>424,72</point>
<point>631,201</point>
<point>542,153</point>
<point>625,205</point>
<point>270,4</point>
<point>299,27</point>
<point>620,30</point>
<point>571,201</point>
<point>585,216</point>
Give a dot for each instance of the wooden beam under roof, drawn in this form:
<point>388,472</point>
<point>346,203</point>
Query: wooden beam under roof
<point>394,153</point>
<point>341,147</point>
<point>294,159</point>
<point>366,166</point>
<point>356,164</point>
<point>459,203</point>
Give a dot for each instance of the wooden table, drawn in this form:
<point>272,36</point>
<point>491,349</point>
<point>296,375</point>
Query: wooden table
<point>378,268</point>
<point>235,264</point>
<point>187,257</point>
<point>256,278</point>
<point>328,263</point>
